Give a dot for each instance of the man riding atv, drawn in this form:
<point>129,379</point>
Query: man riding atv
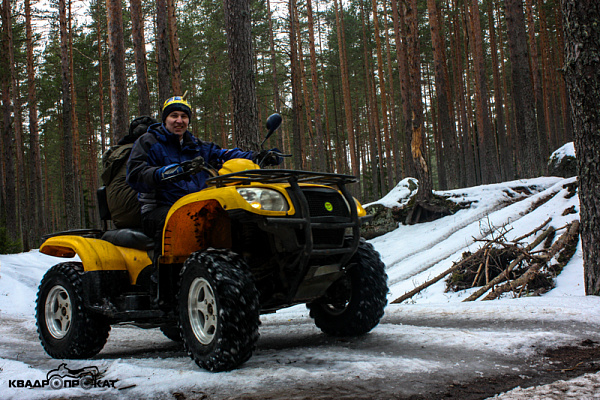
<point>252,242</point>
<point>159,159</point>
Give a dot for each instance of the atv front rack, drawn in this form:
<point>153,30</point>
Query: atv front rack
<point>303,219</point>
<point>279,176</point>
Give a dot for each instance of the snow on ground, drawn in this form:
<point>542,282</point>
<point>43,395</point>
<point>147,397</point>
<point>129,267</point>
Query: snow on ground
<point>412,254</point>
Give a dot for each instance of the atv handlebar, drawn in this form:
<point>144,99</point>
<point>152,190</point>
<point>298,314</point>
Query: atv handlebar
<point>191,167</point>
<point>271,153</point>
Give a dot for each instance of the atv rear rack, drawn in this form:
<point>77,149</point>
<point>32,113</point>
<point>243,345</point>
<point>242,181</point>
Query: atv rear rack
<point>279,176</point>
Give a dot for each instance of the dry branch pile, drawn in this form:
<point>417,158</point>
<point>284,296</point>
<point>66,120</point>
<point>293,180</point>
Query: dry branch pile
<point>503,266</point>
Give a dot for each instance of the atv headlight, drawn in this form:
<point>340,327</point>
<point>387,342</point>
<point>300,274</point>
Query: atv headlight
<point>264,199</point>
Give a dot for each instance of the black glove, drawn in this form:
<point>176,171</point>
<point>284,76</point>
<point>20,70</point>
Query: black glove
<point>268,157</point>
<point>168,172</point>
<point>193,166</point>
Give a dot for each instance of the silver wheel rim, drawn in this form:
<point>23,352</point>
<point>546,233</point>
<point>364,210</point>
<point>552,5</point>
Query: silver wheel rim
<point>58,312</point>
<point>202,310</point>
<point>336,309</point>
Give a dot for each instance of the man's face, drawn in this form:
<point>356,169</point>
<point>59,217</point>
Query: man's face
<point>177,122</point>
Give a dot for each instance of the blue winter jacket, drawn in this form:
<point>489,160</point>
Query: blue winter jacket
<point>159,147</point>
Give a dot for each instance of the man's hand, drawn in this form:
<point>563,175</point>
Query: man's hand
<point>193,166</point>
<point>168,172</point>
<point>269,157</point>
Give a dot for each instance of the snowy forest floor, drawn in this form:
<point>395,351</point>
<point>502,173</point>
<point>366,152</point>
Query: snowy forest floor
<point>431,346</point>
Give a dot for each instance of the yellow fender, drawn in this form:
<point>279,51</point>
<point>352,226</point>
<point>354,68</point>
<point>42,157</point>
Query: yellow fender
<point>237,165</point>
<point>98,255</point>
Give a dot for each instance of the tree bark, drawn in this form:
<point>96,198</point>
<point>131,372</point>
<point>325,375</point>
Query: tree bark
<point>417,144</point>
<point>100,83</point>
<point>21,227</point>
<point>445,112</point>
<point>8,155</point>
<point>71,203</point>
<point>402,59</point>
<point>162,52</point>
<point>276,98</point>
<point>321,157</point>
<point>395,160</point>
<point>139,51</point>
<point>346,87</point>
<point>243,89</point>
<point>174,48</point>
<point>374,142</point>
<point>37,226</point>
<point>537,82</point>
<point>76,143</point>
<point>295,83</point>
<point>118,80</point>
<point>388,171</point>
<point>488,155</point>
<point>528,161</point>
<point>581,20</point>
<point>505,154</point>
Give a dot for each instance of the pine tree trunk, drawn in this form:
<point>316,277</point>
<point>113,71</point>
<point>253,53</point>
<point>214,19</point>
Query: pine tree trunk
<point>373,143</point>
<point>76,143</point>
<point>402,58</point>
<point>139,51</point>
<point>548,84</point>
<point>118,80</point>
<point>243,89</point>
<point>21,227</point>
<point>417,144</point>
<point>565,105</point>
<point>488,156</point>
<point>71,202</point>
<point>37,215</point>
<point>162,53</point>
<point>308,155</point>
<point>582,71</point>
<point>395,160</point>
<point>444,104</point>
<point>505,154</point>
<point>295,83</point>
<point>537,84</point>
<point>101,86</point>
<point>346,87</point>
<point>91,170</point>
<point>8,155</point>
<point>528,160</point>
<point>276,98</point>
<point>388,170</point>
<point>321,157</point>
<point>174,48</point>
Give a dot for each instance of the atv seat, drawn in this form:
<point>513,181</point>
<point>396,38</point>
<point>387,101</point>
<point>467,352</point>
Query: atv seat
<point>129,238</point>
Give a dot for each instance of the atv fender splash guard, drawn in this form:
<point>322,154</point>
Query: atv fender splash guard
<point>98,255</point>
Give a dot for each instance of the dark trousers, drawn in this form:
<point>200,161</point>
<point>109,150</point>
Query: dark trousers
<point>153,223</point>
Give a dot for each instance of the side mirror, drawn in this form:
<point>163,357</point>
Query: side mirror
<point>273,123</point>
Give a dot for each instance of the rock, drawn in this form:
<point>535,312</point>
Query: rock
<point>563,162</point>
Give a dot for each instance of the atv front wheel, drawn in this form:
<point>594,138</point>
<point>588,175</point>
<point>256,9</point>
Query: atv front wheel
<point>218,309</point>
<point>353,305</point>
<point>65,327</point>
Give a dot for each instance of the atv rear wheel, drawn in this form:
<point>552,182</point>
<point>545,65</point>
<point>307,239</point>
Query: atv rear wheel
<point>354,304</point>
<point>65,327</point>
<point>218,309</point>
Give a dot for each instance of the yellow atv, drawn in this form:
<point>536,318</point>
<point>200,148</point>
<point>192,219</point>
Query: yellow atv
<point>253,242</point>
